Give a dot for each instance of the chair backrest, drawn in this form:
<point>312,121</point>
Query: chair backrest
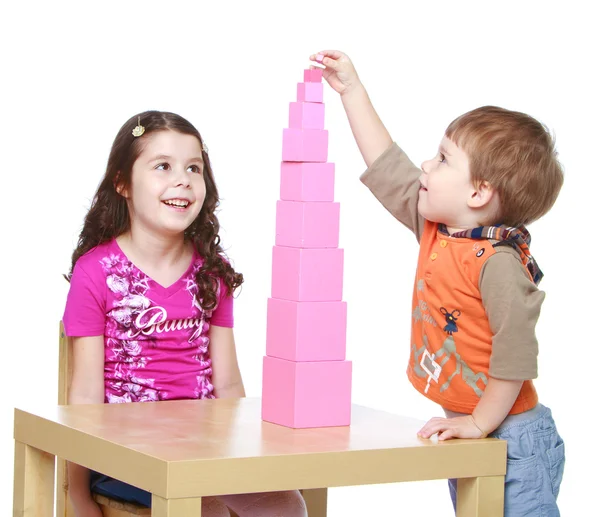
<point>65,352</point>
<point>64,508</point>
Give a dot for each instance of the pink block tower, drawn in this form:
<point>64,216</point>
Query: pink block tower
<point>306,378</point>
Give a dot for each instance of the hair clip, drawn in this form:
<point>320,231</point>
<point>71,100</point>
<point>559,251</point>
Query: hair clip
<point>138,130</point>
<point>204,148</point>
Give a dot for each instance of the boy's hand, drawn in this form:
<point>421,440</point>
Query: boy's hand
<point>459,427</point>
<point>339,72</point>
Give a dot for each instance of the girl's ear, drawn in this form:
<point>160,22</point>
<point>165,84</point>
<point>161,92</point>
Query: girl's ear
<point>482,195</point>
<point>121,190</point>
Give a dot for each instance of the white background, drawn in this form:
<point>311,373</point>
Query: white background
<point>72,74</point>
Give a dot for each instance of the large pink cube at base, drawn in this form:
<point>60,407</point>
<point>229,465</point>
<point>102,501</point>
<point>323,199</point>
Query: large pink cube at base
<point>305,145</point>
<point>309,92</point>
<point>306,331</point>
<point>307,274</point>
<point>306,394</point>
<point>307,224</point>
<point>307,181</point>
<point>306,115</point>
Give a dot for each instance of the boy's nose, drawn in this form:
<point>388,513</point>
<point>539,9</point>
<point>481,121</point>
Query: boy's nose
<point>425,166</point>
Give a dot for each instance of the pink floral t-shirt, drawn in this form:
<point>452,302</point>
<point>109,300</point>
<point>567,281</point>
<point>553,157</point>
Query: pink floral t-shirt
<point>156,344</point>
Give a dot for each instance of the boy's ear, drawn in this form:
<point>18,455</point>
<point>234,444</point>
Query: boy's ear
<point>481,196</point>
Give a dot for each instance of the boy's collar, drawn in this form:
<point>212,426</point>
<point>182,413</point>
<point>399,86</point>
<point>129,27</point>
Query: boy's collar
<point>519,238</point>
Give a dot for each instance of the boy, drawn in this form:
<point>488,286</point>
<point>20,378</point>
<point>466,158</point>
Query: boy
<point>475,300</point>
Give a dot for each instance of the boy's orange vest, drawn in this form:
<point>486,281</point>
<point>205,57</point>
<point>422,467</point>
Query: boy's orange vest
<point>451,341</point>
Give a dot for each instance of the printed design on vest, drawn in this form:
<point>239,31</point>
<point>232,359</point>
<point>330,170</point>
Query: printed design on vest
<point>426,367</point>
<point>421,312</point>
<point>447,351</point>
<point>427,364</point>
<point>479,249</point>
<point>451,318</point>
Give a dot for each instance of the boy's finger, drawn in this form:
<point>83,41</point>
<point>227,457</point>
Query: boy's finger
<point>331,63</point>
<point>334,54</point>
<point>430,428</point>
<point>321,56</point>
<point>448,433</point>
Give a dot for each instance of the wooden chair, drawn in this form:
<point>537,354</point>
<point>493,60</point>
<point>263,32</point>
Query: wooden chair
<point>316,499</point>
<point>110,507</point>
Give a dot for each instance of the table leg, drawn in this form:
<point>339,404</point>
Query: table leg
<point>189,507</point>
<point>316,501</point>
<point>33,494</point>
<point>480,497</point>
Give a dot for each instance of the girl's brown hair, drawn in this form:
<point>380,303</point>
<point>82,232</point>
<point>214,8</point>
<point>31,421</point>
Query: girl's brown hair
<point>515,154</point>
<point>108,216</point>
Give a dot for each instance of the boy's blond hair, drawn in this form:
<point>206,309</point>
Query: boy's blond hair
<point>515,154</point>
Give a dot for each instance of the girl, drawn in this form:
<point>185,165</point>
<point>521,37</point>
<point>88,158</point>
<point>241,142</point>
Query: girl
<point>150,304</point>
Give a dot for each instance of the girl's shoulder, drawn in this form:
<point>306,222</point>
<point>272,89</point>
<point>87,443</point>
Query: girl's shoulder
<point>96,259</point>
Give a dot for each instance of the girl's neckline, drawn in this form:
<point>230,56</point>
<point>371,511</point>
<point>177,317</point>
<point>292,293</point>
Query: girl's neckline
<point>175,286</point>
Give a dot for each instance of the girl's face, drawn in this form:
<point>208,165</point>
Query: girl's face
<point>167,184</point>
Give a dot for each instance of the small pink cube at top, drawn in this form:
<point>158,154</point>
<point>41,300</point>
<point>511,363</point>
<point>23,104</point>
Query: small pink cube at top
<point>313,75</point>
<point>320,58</point>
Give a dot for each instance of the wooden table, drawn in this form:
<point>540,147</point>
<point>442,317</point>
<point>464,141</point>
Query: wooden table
<point>183,450</point>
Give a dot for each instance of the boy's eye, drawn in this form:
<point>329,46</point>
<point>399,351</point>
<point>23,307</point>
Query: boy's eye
<point>442,158</point>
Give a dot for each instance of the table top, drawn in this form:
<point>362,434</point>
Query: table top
<point>210,447</point>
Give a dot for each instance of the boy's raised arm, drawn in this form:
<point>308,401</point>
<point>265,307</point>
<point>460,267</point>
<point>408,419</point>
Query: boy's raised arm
<point>369,132</point>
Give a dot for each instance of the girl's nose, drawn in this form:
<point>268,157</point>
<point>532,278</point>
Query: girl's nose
<point>183,180</point>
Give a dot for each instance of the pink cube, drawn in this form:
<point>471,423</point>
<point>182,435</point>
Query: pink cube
<point>307,224</point>
<point>306,331</point>
<point>309,92</point>
<point>307,181</point>
<point>305,145</point>
<point>313,75</point>
<point>307,115</point>
<point>307,275</point>
<point>310,394</point>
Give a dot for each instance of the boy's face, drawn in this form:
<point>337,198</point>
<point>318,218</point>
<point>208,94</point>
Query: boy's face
<point>446,188</point>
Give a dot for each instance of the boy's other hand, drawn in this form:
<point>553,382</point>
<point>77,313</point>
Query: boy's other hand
<point>339,71</point>
<point>459,427</point>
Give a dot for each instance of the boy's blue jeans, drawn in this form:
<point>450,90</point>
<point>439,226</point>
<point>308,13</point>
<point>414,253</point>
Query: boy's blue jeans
<point>534,470</point>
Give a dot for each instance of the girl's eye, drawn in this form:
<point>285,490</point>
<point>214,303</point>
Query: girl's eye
<point>195,168</point>
<point>161,165</point>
